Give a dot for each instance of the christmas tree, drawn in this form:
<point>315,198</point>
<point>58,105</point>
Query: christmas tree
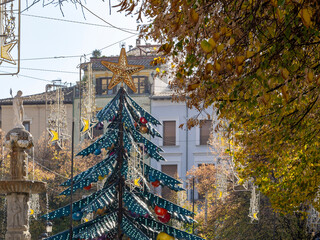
<point>125,205</point>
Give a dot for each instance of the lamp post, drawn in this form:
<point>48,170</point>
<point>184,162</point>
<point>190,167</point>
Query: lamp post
<point>49,227</point>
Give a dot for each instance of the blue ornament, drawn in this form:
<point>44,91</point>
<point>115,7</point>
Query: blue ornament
<point>77,216</point>
<point>97,151</point>
<point>152,178</point>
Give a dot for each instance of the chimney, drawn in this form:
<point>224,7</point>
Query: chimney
<point>138,42</point>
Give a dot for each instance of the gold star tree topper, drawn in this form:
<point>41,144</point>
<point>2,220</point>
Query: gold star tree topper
<point>122,72</point>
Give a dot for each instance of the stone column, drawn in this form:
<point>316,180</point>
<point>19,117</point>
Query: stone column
<point>18,140</point>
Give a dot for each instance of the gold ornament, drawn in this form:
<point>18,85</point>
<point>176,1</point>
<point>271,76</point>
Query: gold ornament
<point>5,52</point>
<point>164,236</point>
<point>86,124</point>
<point>136,182</point>
<point>143,129</point>
<point>54,135</point>
<point>122,71</point>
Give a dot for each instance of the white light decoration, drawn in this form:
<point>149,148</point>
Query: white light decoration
<point>88,104</point>
<point>254,204</point>
<point>57,120</point>
<point>221,179</point>
<point>10,34</point>
<point>34,205</point>
<point>135,167</point>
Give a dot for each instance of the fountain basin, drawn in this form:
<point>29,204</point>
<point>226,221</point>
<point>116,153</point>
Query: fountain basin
<point>19,186</point>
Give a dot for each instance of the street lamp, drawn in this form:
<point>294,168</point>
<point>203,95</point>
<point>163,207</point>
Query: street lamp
<point>49,227</point>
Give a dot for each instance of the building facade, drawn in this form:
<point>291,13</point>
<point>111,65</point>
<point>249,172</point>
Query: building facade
<point>37,109</point>
<point>183,148</point>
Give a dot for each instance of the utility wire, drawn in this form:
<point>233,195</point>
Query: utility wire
<point>101,18</point>
<point>77,56</point>
<point>58,174</point>
<point>72,21</point>
<point>43,70</point>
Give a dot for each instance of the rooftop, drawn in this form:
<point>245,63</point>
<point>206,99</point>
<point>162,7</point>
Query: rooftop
<point>41,98</point>
<point>132,60</point>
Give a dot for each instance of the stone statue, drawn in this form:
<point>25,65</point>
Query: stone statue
<point>18,110</point>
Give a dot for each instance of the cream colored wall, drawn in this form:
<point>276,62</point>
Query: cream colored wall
<point>36,114</point>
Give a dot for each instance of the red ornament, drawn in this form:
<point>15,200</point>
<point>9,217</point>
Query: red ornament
<point>135,124</point>
<point>156,183</point>
<point>88,187</point>
<point>143,120</point>
<point>166,218</point>
<point>160,211</point>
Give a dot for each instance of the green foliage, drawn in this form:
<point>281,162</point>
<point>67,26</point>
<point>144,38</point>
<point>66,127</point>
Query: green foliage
<point>257,62</point>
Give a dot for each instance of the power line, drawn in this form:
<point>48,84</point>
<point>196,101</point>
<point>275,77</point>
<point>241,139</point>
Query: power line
<point>101,17</point>
<point>76,56</point>
<point>43,70</point>
<point>72,21</point>
<point>48,169</point>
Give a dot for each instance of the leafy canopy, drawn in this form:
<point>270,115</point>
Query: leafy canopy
<point>257,63</point>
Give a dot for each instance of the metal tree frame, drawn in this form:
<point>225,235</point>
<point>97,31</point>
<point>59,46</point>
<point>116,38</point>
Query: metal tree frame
<point>10,33</point>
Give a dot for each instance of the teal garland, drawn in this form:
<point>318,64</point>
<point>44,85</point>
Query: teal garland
<point>167,229</point>
<point>143,112</point>
<point>105,141</point>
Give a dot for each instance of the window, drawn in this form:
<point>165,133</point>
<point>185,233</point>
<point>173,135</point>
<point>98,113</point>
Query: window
<point>102,86</point>
<point>26,125</point>
<point>169,133</point>
<point>205,131</point>
<point>171,170</point>
<point>140,82</point>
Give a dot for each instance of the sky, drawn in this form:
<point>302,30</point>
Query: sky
<point>45,40</point>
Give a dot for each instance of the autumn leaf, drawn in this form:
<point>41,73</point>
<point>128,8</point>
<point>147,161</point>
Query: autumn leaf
<point>309,76</point>
<point>239,60</point>
<point>193,86</point>
<point>285,73</point>
<point>194,16</point>
<point>212,43</point>
<point>220,48</point>
<point>206,46</point>
<point>305,15</point>
<point>284,91</point>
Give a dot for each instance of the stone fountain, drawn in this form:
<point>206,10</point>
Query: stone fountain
<point>17,187</point>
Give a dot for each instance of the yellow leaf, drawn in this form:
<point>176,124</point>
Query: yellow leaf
<point>193,86</point>
<point>194,16</point>
<point>285,73</point>
<point>223,30</point>
<point>158,70</point>
<point>220,48</point>
<point>217,66</point>
<point>309,76</point>
<point>249,54</point>
<point>306,15</point>
<point>209,67</point>
<point>229,67</point>
<point>206,46</point>
<point>212,43</point>
<point>239,60</point>
<point>231,41</point>
<point>239,70</point>
<point>216,36</point>
<point>284,92</point>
